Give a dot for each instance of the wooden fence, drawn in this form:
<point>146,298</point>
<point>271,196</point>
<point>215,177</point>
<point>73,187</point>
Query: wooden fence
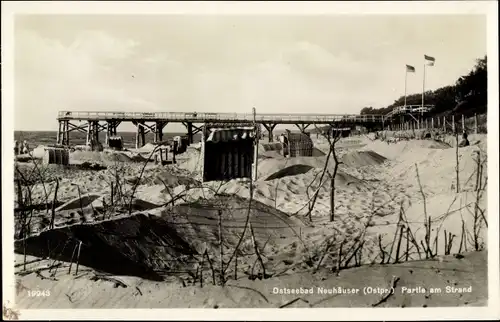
<point>451,123</point>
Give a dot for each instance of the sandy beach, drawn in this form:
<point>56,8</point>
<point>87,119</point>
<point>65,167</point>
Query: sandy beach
<point>159,242</point>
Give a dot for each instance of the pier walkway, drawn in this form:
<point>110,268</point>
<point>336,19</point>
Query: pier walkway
<point>146,122</point>
<point>154,122</point>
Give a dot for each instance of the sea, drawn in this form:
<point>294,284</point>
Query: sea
<point>36,138</point>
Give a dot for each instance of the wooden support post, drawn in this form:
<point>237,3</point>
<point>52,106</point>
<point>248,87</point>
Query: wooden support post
<point>159,131</point>
<point>59,133</point>
<point>203,138</point>
<point>160,152</point>
<point>66,131</point>
<point>136,134</point>
<point>475,123</point>
<point>302,127</point>
<point>439,122</point>
<point>96,131</point>
<point>256,148</point>
<point>108,132</point>
<point>432,123</point>
<point>143,135</point>
<point>189,127</point>
<point>269,127</point>
<point>89,133</point>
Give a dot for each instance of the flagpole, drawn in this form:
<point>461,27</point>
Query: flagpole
<point>406,76</point>
<point>423,89</point>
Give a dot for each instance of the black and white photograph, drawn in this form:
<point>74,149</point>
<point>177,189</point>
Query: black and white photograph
<point>216,156</point>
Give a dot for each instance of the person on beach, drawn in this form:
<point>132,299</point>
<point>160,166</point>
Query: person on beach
<point>284,144</point>
<point>25,147</point>
<point>465,140</point>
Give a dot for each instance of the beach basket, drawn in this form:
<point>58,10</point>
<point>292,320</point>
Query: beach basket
<point>58,156</point>
<point>299,144</point>
<point>180,144</point>
<point>115,143</point>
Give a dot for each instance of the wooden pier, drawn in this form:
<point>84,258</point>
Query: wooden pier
<point>92,123</point>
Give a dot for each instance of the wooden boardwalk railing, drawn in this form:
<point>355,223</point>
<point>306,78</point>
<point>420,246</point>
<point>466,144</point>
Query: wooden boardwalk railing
<point>217,117</point>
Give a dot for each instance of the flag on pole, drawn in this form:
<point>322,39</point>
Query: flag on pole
<point>429,60</point>
<point>410,69</point>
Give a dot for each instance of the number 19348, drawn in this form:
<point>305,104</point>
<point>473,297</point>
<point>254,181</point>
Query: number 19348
<point>39,293</point>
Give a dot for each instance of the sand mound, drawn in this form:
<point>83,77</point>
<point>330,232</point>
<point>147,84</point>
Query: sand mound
<point>290,171</point>
<point>83,292</point>
<point>172,180</point>
<point>401,148</point>
<point>115,157</point>
<point>78,203</point>
<point>269,166</point>
<point>38,152</point>
<point>138,158</point>
<point>151,246</point>
<point>318,153</point>
<point>198,221</point>
<point>163,178</point>
<point>436,144</point>
<point>124,246</point>
<point>192,162</point>
<point>81,156</point>
<point>362,158</point>
<point>99,157</point>
<point>147,148</point>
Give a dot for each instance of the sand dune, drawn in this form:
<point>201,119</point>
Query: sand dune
<point>88,290</point>
<point>362,158</point>
<point>374,182</point>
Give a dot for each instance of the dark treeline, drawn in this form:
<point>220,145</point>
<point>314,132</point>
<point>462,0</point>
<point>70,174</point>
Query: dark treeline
<point>467,96</point>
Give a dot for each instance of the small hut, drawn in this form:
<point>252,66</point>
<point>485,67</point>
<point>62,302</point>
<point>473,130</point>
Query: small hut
<point>58,156</point>
<point>228,152</point>
<point>297,144</point>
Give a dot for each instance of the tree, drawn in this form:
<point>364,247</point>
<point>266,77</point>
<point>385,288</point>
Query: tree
<point>474,86</point>
<point>469,91</point>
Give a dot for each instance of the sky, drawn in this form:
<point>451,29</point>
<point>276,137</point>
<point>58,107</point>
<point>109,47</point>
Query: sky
<point>277,64</point>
